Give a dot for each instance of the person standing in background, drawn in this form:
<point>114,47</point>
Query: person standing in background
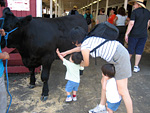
<point>112,16</point>
<point>64,13</point>
<point>136,34</point>
<point>102,17</point>
<point>74,11</point>
<point>120,22</point>
<point>88,16</point>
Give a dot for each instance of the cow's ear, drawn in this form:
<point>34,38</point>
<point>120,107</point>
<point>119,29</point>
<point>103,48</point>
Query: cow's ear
<point>24,21</point>
<point>7,11</point>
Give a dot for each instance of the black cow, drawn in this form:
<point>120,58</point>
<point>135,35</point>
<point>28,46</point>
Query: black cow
<point>36,39</point>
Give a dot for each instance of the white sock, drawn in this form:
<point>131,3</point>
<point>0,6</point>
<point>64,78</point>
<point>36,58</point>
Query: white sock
<point>102,107</point>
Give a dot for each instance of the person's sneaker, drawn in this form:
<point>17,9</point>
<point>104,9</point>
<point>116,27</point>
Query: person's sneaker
<point>68,99</point>
<point>74,98</point>
<point>97,109</point>
<point>136,69</point>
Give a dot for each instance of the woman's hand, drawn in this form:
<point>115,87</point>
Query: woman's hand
<point>126,38</point>
<point>64,53</point>
<point>76,49</point>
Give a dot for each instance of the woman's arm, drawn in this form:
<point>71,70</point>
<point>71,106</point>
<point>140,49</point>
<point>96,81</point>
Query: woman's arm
<point>131,24</point>
<point>76,49</point>
<point>97,21</point>
<point>115,19</point>
<point>85,54</point>
<point>127,21</point>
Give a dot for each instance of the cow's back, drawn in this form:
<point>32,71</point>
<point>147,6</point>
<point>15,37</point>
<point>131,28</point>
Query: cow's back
<point>55,31</point>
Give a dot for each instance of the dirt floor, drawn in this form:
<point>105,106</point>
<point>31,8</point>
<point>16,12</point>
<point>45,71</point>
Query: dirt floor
<point>27,100</point>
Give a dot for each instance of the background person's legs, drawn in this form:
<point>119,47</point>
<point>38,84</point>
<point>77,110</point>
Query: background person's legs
<point>122,86</point>
<point>137,59</point>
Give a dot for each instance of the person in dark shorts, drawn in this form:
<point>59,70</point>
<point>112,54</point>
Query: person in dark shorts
<point>136,34</point>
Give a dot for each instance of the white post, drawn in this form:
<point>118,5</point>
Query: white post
<point>51,8</point>
<point>106,7</point>
<point>62,8</point>
<point>97,10</point>
<point>56,9</point>
<point>38,8</point>
<point>125,4</point>
<point>91,6</point>
<point>59,8</point>
<point>148,5</point>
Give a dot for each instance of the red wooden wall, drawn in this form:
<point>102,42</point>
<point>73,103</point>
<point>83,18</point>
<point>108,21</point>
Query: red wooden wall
<point>23,13</point>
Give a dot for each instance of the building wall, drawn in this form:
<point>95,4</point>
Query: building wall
<point>23,13</point>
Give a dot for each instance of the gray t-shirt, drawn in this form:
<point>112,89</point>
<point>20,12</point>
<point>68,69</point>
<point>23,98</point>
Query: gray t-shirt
<point>102,18</point>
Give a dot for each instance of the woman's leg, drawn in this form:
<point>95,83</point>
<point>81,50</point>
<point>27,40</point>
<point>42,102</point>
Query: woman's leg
<point>122,86</point>
<point>101,106</point>
<point>103,92</point>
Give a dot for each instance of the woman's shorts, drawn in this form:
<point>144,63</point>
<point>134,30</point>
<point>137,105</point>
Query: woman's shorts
<point>136,45</point>
<point>121,61</point>
<point>113,106</point>
<point>72,86</point>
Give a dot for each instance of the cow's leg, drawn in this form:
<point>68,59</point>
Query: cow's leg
<point>44,78</point>
<point>32,78</point>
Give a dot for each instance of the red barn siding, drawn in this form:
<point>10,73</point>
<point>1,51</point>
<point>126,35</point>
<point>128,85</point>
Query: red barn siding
<point>23,13</point>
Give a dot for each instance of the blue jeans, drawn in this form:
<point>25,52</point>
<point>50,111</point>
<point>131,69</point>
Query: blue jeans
<point>3,96</point>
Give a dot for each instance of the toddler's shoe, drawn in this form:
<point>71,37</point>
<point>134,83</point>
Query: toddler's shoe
<point>74,98</point>
<point>68,99</point>
<point>136,69</point>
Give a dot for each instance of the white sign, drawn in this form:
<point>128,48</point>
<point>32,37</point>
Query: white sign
<point>19,5</point>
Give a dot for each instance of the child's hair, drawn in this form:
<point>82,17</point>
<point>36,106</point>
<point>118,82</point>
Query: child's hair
<point>103,10</point>
<point>77,57</point>
<point>108,70</point>
<point>77,34</point>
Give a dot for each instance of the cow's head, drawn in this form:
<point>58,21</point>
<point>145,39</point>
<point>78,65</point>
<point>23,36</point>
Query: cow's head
<point>11,21</point>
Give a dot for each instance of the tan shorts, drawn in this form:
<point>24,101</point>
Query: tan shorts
<point>121,61</point>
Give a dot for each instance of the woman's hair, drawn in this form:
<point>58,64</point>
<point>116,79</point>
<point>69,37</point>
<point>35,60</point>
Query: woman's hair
<point>77,34</point>
<point>121,11</point>
<point>77,57</point>
<point>108,70</point>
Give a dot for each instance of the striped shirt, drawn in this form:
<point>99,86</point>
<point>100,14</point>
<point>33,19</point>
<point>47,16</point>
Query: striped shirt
<point>106,51</point>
